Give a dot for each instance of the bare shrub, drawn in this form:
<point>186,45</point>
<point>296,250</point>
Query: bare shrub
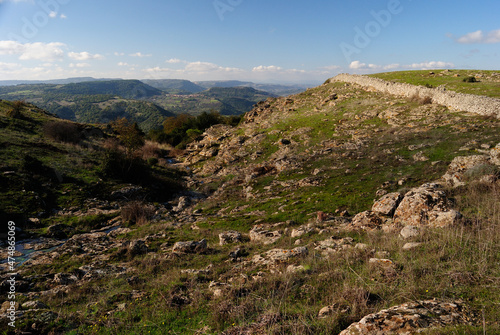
<point>421,100</point>
<point>61,131</point>
<point>150,150</point>
<point>111,144</point>
<point>137,212</point>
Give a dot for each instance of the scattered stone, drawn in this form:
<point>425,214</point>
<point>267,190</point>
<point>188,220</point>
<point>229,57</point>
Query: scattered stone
<point>409,232</point>
<point>34,305</point>
<point>301,231</point>
<point>190,247</point>
<point>420,157</point>
<point>383,262</point>
<point>183,203</point>
<point>261,234</point>
<point>333,309</point>
<point>411,245</point>
<point>333,245</point>
<point>230,237</point>
<point>411,318</point>
<point>138,247</point>
<point>238,253</point>
<point>127,192</point>
<point>65,279</point>
<point>366,220</point>
<point>275,256</point>
<point>361,246</point>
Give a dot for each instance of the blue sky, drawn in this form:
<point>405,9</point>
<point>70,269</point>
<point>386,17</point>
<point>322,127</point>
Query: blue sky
<point>262,41</point>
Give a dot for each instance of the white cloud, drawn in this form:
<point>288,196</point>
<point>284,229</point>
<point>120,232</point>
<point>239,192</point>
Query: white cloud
<point>33,51</point>
<point>363,67</point>
<point>122,64</point>
<point>119,54</point>
<point>175,61</point>
<point>81,56</point>
<point>140,55</point>
<point>357,65</point>
<point>203,67</point>
<point>271,68</point>
<point>479,37</point>
<point>11,48</point>
<point>63,16</point>
<point>53,15</point>
<point>430,65</point>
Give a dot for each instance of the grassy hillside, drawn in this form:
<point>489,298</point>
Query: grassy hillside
<point>48,164</point>
<point>274,242</point>
<point>94,102</point>
<point>225,100</point>
<point>464,81</point>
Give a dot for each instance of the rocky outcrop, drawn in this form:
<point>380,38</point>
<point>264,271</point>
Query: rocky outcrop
<point>190,247</point>
<point>262,234</point>
<point>229,237</point>
<point>426,205</point>
<point>411,318</point>
<point>276,256</point>
<point>333,245</point>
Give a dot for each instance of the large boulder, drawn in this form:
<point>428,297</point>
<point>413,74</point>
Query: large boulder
<point>426,205</point>
<point>411,318</point>
<point>387,205</point>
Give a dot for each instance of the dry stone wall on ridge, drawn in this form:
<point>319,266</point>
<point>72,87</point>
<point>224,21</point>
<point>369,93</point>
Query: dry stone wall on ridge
<point>457,101</point>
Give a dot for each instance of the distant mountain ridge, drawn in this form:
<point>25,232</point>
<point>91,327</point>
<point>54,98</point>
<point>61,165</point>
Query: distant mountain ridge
<point>102,101</point>
<point>94,101</point>
<point>53,81</point>
<point>175,86</point>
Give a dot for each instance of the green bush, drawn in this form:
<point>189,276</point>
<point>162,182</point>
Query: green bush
<point>470,79</point>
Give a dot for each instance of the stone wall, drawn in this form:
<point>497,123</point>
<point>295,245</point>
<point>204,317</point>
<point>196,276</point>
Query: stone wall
<point>456,101</point>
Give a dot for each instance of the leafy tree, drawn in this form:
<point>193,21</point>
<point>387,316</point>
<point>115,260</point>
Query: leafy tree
<point>129,133</point>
